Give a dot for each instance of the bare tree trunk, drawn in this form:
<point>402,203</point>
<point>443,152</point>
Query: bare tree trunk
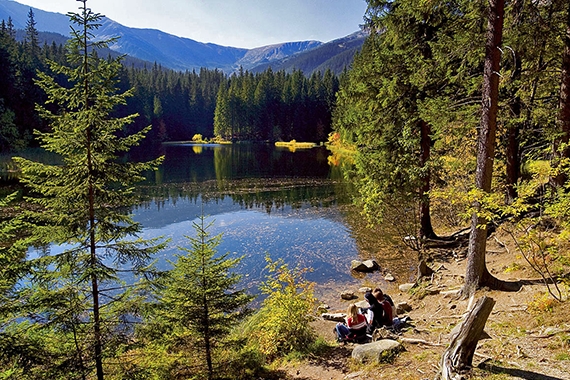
<point>486,146</point>
<point>426,228</point>
<point>458,357</point>
<point>560,147</point>
<point>513,141</point>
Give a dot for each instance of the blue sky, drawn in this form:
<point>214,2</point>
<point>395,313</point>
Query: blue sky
<point>237,23</point>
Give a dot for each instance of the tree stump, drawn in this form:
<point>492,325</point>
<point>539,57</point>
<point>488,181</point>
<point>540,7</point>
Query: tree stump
<point>458,357</point>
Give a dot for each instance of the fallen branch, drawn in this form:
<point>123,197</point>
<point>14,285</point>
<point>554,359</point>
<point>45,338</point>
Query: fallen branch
<point>420,341</point>
<point>550,335</point>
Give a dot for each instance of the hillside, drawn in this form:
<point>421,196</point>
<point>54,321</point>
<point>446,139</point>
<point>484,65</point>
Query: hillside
<point>525,337</point>
<point>335,55</point>
<point>180,53</point>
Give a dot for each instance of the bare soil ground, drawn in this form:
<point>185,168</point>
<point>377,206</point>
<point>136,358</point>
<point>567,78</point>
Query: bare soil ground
<point>527,333</point>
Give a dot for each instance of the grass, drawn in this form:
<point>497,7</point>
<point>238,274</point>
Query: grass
<point>295,145</point>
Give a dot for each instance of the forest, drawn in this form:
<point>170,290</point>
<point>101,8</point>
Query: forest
<point>268,106</point>
<point>453,114</point>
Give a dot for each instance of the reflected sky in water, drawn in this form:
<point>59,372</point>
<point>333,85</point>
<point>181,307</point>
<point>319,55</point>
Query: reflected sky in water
<point>308,236</point>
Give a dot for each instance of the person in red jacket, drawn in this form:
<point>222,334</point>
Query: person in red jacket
<point>355,327</point>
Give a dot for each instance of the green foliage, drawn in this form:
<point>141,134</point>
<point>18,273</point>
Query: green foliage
<point>390,101</point>
<point>196,309</point>
<point>539,224</point>
<point>79,294</point>
<point>275,106</point>
<point>282,324</point>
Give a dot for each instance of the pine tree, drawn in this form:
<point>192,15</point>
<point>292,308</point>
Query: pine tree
<point>223,126</point>
<point>199,304</point>
<point>382,107</point>
<point>31,40</point>
<point>82,203</point>
<point>476,271</point>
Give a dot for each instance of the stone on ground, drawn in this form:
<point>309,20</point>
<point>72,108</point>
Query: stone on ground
<point>376,352</point>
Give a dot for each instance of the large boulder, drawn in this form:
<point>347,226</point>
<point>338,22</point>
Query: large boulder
<point>376,352</point>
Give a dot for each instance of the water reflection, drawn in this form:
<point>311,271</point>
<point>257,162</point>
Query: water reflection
<point>305,236</point>
<point>192,163</point>
<point>291,205</point>
<point>262,199</point>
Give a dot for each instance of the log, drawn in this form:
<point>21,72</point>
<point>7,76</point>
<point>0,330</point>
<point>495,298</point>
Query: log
<point>419,341</point>
<point>458,358</point>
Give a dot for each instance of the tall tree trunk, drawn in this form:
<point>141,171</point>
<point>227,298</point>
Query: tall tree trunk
<point>513,142</point>
<point>426,228</point>
<point>206,312</point>
<point>476,268</point>
<point>560,147</point>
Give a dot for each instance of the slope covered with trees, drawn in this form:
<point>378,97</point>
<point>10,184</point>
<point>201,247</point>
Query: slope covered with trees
<point>439,96</point>
<point>263,106</point>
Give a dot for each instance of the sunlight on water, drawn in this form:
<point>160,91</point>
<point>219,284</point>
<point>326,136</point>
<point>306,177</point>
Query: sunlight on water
<point>306,237</point>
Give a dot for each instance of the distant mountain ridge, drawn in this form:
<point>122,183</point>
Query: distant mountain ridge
<point>334,55</point>
<point>180,53</point>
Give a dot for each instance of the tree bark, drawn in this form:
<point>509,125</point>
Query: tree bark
<point>458,357</point>
<point>513,140</point>
<point>426,228</point>
<point>485,147</point>
<point>560,146</point>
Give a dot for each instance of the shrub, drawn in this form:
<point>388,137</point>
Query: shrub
<point>282,324</point>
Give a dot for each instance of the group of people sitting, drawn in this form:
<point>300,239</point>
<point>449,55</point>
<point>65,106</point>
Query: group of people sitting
<point>361,323</point>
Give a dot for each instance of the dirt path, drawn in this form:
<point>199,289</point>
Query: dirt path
<point>528,334</point>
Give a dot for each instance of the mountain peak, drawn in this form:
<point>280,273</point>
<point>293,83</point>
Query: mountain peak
<point>153,45</point>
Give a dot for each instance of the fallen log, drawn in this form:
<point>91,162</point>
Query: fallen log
<point>419,341</point>
<point>458,358</point>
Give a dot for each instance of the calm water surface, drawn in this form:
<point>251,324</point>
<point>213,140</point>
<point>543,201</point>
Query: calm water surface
<point>262,199</point>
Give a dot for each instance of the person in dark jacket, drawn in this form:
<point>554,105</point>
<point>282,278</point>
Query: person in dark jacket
<point>375,313</point>
<point>381,311</point>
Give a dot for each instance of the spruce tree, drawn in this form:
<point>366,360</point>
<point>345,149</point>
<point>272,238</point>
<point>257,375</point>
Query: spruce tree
<point>83,202</point>
<point>199,304</point>
<point>384,107</point>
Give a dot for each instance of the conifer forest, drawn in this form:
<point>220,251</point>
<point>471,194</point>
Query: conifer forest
<point>452,122</point>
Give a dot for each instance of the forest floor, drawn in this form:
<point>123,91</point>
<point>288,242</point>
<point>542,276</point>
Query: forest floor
<point>527,333</point>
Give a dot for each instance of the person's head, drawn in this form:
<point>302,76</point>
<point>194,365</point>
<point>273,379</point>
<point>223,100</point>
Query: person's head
<point>378,294</point>
<point>352,311</point>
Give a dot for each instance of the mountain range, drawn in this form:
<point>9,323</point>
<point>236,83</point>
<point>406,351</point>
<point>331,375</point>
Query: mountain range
<point>179,53</point>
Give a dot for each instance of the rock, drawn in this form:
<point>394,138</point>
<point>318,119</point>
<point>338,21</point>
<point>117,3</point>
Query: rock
<point>337,317</point>
<point>365,289</point>
<point>406,287</point>
<point>371,265</point>
<point>362,304</point>
<point>403,307</point>
<point>357,266</point>
<point>364,266</point>
<point>323,308</point>
<point>376,352</point>
<point>431,291</point>
<point>389,277</point>
<point>348,295</point>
